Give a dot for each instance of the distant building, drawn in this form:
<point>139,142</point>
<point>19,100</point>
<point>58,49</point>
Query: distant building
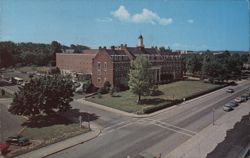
<point>113,64</point>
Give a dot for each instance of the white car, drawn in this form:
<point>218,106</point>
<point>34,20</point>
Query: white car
<point>238,99</point>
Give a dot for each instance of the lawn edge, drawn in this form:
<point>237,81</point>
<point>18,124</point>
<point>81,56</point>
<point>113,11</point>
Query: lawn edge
<point>188,99</point>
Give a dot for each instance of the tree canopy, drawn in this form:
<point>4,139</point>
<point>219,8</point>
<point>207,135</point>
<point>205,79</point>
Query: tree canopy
<point>140,79</point>
<point>220,67</point>
<point>25,54</point>
<point>45,95</point>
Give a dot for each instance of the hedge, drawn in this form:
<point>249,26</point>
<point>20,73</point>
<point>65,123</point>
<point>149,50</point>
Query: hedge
<point>151,109</point>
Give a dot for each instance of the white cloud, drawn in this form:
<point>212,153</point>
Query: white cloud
<point>146,16</point>
<point>105,19</point>
<point>121,13</point>
<point>165,21</point>
<point>190,21</point>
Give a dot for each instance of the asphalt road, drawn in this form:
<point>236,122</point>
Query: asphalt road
<point>9,124</point>
<point>122,136</point>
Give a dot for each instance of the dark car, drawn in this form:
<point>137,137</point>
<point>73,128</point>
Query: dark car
<point>233,103</point>
<point>244,98</point>
<point>228,107</point>
<point>18,140</point>
<point>230,90</point>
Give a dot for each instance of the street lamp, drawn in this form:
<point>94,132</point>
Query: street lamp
<point>88,120</point>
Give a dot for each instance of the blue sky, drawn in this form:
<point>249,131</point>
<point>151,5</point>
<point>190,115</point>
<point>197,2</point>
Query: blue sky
<point>180,24</point>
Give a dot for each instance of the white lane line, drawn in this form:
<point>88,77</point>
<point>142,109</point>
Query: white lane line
<point>173,130</point>
<point>117,126</point>
<point>167,124</point>
<point>112,126</point>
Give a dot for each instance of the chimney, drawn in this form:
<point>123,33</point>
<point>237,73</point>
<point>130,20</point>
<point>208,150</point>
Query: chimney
<point>100,47</point>
<point>112,47</point>
<point>104,47</point>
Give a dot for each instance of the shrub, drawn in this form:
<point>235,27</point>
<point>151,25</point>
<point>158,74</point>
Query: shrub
<point>164,105</point>
<point>111,91</point>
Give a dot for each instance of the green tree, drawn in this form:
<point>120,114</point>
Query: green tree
<point>194,63</point>
<point>140,79</point>
<point>213,69</point>
<point>86,86</point>
<point>45,95</point>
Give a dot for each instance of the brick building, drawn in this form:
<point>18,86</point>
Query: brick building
<point>113,64</point>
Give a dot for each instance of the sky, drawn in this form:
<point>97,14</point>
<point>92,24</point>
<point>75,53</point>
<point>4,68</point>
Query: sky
<point>179,24</point>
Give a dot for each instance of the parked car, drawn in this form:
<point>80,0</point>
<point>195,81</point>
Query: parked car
<point>230,90</point>
<point>3,148</point>
<point>233,103</point>
<point>244,98</point>
<point>238,99</point>
<point>18,140</point>
<point>228,107</point>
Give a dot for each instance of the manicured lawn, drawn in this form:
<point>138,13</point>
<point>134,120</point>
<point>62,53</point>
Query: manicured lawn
<point>43,131</point>
<point>183,89</point>
<point>126,101</point>
<point>50,127</point>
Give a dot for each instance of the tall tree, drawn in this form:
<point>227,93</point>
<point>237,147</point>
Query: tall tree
<point>140,79</point>
<point>45,95</point>
<point>194,63</point>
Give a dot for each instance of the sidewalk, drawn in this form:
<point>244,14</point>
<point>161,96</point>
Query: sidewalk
<point>57,147</point>
<point>206,140</point>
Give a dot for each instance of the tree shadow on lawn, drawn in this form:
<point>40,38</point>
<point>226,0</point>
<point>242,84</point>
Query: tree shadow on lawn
<point>75,113</point>
<point>66,118</point>
<point>157,93</point>
<point>46,120</point>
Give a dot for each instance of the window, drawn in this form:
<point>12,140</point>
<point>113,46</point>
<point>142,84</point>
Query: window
<point>105,65</point>
<point>98,72</point>
<point>99,65</point>
<point>99,80</point>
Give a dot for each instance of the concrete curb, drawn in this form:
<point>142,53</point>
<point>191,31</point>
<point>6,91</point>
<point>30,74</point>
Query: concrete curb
<point>98,133</point>
<point>39,153</point>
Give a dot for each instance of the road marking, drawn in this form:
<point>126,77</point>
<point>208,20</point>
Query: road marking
<point>173,126</point>
<point>112,126</point>
<point>117,126</point>
<point>190,135</point>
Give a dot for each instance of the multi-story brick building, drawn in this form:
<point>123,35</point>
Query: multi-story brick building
<point>113,64</point>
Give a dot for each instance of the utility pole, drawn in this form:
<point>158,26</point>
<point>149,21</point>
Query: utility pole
<point>1,124</point>
<point>80,121</point>
<point>88,121</point>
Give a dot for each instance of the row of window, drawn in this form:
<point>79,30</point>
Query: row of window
<point>99,67</point>
<point>119,57</point>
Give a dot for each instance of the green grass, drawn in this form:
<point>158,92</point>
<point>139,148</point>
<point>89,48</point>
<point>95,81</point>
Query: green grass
<point>50,127</point>
<point>126,101</point>
<point>45,130</point>
<point>52,132</point>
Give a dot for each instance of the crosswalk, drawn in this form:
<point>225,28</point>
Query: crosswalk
<point>147,121</point>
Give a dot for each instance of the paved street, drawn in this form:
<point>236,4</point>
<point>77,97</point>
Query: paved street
<point>9,124</point>
<point>122,136</point>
